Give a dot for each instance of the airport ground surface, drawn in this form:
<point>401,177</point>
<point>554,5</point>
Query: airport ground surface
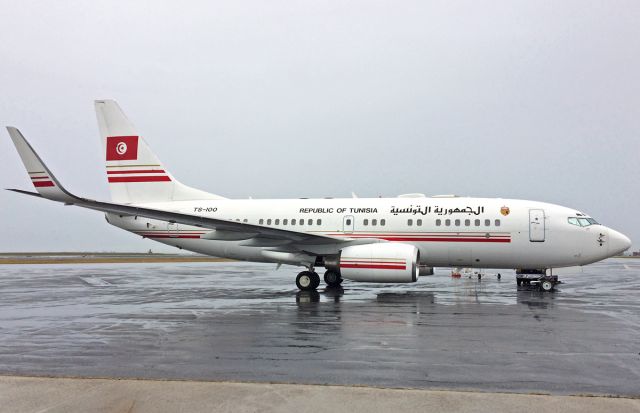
<point>232,321</point>
<point>32,394</point>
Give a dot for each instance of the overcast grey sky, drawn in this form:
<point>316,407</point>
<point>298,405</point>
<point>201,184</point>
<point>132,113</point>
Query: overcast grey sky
<point>515,99</point>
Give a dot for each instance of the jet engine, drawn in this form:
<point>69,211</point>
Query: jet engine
<point>382,262</point>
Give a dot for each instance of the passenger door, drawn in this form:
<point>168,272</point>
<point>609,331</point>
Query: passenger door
<point>536,225</point>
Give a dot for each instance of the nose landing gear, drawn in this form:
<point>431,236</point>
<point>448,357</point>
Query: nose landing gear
<point>537,278</point>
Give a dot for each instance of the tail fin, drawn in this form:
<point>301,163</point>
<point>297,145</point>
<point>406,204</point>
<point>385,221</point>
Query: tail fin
<point>41,177</point>
<point>134,173</point>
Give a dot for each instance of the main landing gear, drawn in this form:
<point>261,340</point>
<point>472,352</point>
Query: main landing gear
<point>333,279</point>
<point>310,280</point>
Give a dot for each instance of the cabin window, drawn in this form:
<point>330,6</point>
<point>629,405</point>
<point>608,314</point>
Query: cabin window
<point>438,222</point>
<point>348,222</point>
<point>477,222</point>
<point>419,222</point>
<point>447,222</point>
<point>497,222</point>
<point>365,222</point>
<point>278,221</point>
<point>245,220</point>
<point>269,221</point>
<point>383,222</point>
<point>261,222</point>
<point>301,221</point>
<point>487,222</point>
<point>457,222</point>
<point>285,221</point>
<point>318,222</point>
<point>410,222</point>
<point>374,222</point>
<point>310,222</point>
<point>293,221</point>
<point>467,222</point>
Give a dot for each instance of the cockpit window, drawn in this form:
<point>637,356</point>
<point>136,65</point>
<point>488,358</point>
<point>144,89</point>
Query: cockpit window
<point>581,222</point>
<point>584,222</point>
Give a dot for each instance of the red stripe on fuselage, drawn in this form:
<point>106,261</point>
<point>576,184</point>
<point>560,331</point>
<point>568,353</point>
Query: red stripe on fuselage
<point>424,234</point>
<point>431,238</point>
<point>117,179</point>
<point>446,239</point>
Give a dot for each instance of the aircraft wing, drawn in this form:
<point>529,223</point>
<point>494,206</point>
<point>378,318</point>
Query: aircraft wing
<point>49,187</point>
<point>188,219</point>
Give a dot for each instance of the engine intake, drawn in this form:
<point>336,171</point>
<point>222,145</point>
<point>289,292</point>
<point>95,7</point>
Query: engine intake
<point>383,262</point>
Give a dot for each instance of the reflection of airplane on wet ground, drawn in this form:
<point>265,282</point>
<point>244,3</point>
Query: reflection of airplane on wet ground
<point>372,240</point>
<point>458,272</point>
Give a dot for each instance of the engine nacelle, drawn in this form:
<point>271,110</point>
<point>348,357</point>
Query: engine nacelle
<point>383,263</point>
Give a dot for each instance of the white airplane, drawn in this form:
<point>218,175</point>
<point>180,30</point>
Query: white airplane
<point>391,240</point>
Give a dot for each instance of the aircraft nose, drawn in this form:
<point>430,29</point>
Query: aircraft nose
<point>618,242</point>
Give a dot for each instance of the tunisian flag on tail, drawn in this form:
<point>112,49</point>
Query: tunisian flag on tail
<point>122,148</point>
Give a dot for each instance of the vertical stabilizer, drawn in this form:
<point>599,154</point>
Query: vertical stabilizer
<point>134,173</point>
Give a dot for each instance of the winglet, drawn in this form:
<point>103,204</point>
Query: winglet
<point>43,180</point>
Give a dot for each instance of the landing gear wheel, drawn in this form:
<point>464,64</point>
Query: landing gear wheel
<point>499,276</point>
<point>546,285</point>
<point>307,281</point>
<point>479,276</point>
<point>316,280</point>
<point>332,279</point>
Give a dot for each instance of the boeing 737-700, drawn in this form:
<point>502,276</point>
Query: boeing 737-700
<point>387,240</point>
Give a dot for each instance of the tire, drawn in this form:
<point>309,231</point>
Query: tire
<point>316,279</point>
<point>332,279</point>
<point>546,285</point>
<point>306,281</point>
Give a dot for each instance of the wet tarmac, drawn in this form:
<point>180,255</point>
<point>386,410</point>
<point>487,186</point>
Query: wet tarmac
<point>248,322</point>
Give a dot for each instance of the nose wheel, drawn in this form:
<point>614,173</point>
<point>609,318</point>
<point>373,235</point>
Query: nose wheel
<point>308,281</point>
